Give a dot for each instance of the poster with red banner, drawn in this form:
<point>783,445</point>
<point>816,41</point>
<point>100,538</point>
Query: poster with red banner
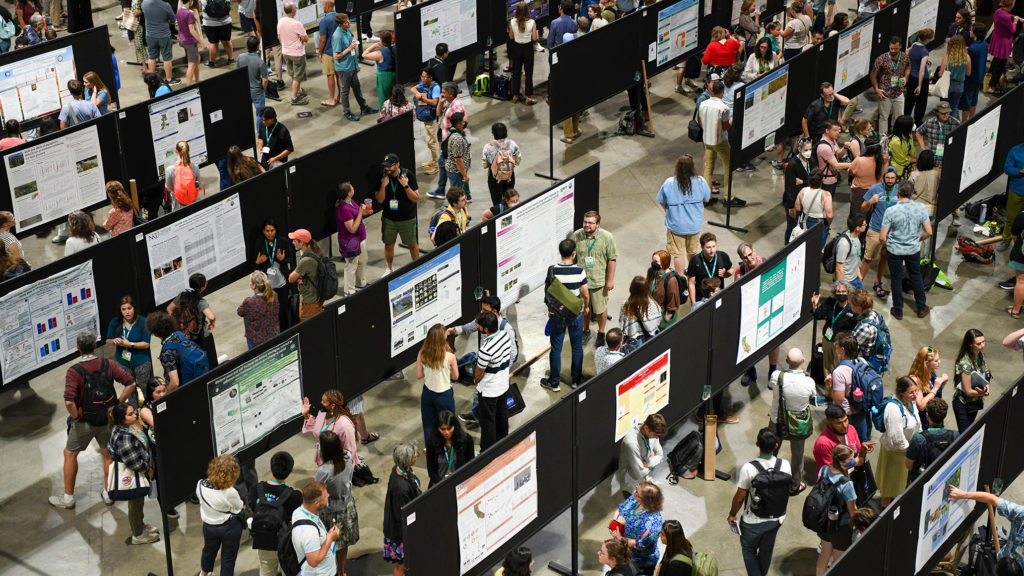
<point>642,394</point>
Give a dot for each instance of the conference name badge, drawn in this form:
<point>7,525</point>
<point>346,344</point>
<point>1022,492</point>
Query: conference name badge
<point>393,204</point>
<point>126,355</point>
<point>939,149</point>
<point>589,262</point>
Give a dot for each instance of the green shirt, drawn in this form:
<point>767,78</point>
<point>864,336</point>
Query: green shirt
<point>307,271</point>
<point>601,248</point>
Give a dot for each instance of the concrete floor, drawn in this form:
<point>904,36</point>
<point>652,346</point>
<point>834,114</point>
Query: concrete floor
<point>89,540</point>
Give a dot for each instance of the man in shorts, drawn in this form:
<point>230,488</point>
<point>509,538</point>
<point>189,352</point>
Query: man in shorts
<point>159,16</point>
<point>217,29</point>
<point>247,17</point>
<point>325,54</point>
<point>877,199</point>
<point>292,36</point>
<point>595,250</point>
<point>397,195</point>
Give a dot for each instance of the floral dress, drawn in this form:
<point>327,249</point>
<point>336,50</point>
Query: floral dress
<point>645,528</point>
<point>140,47</point>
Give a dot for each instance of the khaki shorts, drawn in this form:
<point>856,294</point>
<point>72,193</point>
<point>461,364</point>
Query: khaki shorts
<point>327,64</point>
<point>296,67</point>
<point>681,245</point>
<point>598,300</point>
<point>392,229</point>
<point>81,433</point>
<point>872,247</point>
<point>309,310</point>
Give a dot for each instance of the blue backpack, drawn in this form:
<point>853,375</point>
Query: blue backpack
<point>426,112</point>
<point>878,418</point>
<point>879,358</point>
<point>192,360</point>
<point>866,392</point>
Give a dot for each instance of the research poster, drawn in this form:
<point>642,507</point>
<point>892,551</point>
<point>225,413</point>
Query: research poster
<point>981,148</point>
<point>41,321</point>
<point>178,118</point>
<point>36,86</point>
<point>940,517</point>
<point>642,394</point>
<point>255,398</point>
<point>771,303</point>
<point>923,14</point>
<point>497,502</point>
<point>50,179</point>
<point>538,8</point>
<point>854,60</point>
<point>527,241</point>
<point>430,294</point>
<point>764,105</point>
<point>449,21</point>
<point>307,12</point>
<point>677,30</point>
<point>210,242</point>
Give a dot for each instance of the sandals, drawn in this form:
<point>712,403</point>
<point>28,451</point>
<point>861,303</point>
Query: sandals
<point>371,437</point>
<point>567,140</point>
<point>879,291</point>
<point>690,474</point>
<point>1014,315</point>
<point>803,486</point>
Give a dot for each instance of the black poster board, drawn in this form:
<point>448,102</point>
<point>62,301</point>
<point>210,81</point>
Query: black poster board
<point>225,95</point>
<point>575,86</point>
<point>360,7</point>
<point>410,60</point>
<point>313,178</point>
<point>184,413</point>
<point>879,41</point>
<point>541,11</point>
<point>429,550</point>
<point>1012,462</point>
<point>867,555</point>
<point>110,153</point>
<point>650,16</point>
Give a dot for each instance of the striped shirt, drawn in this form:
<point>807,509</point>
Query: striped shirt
<point>571,275</point>
<point>494,356</point>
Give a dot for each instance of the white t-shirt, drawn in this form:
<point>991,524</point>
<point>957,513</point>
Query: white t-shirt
<point>523,37</point>
<point>306,539</point>
<point>746,476</point>
<point>798,388</point>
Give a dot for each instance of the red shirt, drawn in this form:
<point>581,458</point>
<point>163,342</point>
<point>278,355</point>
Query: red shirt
<point>74,384</point>
<point>827,441</point>
<point>719,54</point>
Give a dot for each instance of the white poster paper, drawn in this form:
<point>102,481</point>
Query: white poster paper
<point>980,147</point>
<point>642,394</point>
<point>940,517</point>
<point>209,242</point>
<point>41,321</point>
<point>764,106</point>
<point>527,241</point>
<point>497,502</point>
<point>771,303</point>
<point>178,118</point>
<point>677,30</point>
<point>255,398</point>
<point>51,179</point>
<point>449,21</point>
<point>854,60</point>
<point>430,294</point>
<point>36,86</point>
<point>923,14</point>
<point>308,12</point>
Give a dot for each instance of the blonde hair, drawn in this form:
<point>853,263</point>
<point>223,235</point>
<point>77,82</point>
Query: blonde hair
<point>259,281</point>
<point>94,79</point>
<point>435,347</point>
<point>956,51</point>
<point>919,367</point>
<point>747,7</point>
<point>717,33</point>
<point>223,471</point>
<point>181,148</point>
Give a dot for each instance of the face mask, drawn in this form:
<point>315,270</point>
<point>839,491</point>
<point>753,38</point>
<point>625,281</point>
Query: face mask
<point>806,154</point>
<point>655,266</point>
<point>511,204</point>
<point>850,465</point>
<point>842,298</point>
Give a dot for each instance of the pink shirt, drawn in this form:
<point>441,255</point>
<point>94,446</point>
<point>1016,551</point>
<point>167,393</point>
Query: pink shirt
<point>825,153</point>
<point>118,221</point>
<point>341,425</point>
<point>292,35</point>
<point>453,107</point>
<point>10,143</point>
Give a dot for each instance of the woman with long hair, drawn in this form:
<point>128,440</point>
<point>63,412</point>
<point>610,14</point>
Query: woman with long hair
<point>923,372</point>
<point>260,312</point>
<point>219,506</point>
<point>678,557</point>
<point>351,238</point>
<point>682,197</point>
<point>666,287</point>
<point>1004,24</point>
<point>640,314</point>
<point>122,215</point>
<point>518,562</point>
<point>12,266</point>
<point>81,233</point>
<point>901,423</point>
<point>194,316</point>
<point>509,199</point>
<point>833,544</point>
<point>448,447</point>
<point>749,24</point>
<point>961,27</point>
<point>129,447</point>
<point>970,360</point>
<point>865,171</point>
<point>916,102</point>
<point>335,417</point>
<point>275,257</point>
<point>403,487</point>
<point>383,53</point>
<point>184,166</point>
<point>396,105</point>
<point>815,203</point>
<point>241,167</point>
<point>336,474</point>
<point>957,62</point>
<point>436,365</point>
<point>127,333</point>
<point>796,174</point>
<point>522,35</point>
<point>902,153</point>
<point>96,91</point>
<point>761,60</point>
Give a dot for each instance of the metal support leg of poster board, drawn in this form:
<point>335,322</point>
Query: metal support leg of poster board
<point>574,517</point>
<point>551,157</point>
<point>167,543</point>
<point>728,207</point>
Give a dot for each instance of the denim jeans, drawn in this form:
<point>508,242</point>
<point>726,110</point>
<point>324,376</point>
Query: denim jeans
<point>432,404</point>
<point>455,181</point>
<point>790,224</point>
<point>557,328</point>
<point>758,542</point>
<point>857,283</point>
<point>5,45</point>
<point>350,81</point>
<point>258,104</point>
<point>913,264</point>
<point>442,180</point>
<point>811,221</point>
<point>224,536</point>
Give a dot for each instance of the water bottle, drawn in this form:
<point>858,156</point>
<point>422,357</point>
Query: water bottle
<point>984,211</point>
<point>820,401</point>
<point>833,518</point>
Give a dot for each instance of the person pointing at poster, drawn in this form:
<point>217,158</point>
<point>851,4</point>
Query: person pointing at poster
<point>1010,558</point>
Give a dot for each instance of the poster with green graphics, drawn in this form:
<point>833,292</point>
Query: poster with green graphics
<point>771,303</point>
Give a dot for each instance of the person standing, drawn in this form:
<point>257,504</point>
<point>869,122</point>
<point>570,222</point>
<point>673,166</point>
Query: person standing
<point>383,53</point>
<point>129,447</point>
<point>427,95</point>
<point>219,506</point>
<point>448,447</point>
<point>797,33</point>
<point>713,116</point>
<point>640,451</point>
<point>797,388</point>
<point>849,250</point>
<point>1013,167</point>
<point>292,36</point>
<point>765,510</point>
<point>336,474</point>
<point>575,280</point>
<point>275,257</point>
<point>273,490</point>
<point>977,51</point>
<point>904,226</point>
<point>312,540</point>
<point>305,273</point>
<point>189,38</point>
<point>708,263</point>
<point>920,453</point>
<point>596,249</point>
<point>837,473</point>
<point>398,195</point>
<point>346,66</point>
<point>522,35</point>
<point>888,77</point>
<point>260,312</point>
<point>837,317</point>
<point>971,367</point>
<point>1004,25</point>
<point>273,140</point>
<point>127,333</point>
<point>876,202</point>
<point>958,63</point>
<point>351,238</point>
<point>158,17</point>
<point>838,431</point>
<point>825,107</point>
<point>216,21</point>
<point>901,423</point>
<point>437,367</point>
<point>458,157</point>
<point>565,24</point>
<point>257,71</point>
<point>403,487</point>
<point>447,106</point>
<point>829,152</point>
<point>500,158</point>
<point>491,378</point>
<point>814,202</point>
<point>683,197</point>
<point>325,54</point>
<point>79,109</point>
<point>916,98</point>
<point>931,135</point>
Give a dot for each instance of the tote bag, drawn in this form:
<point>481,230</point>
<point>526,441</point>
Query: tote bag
<point>123,483</point>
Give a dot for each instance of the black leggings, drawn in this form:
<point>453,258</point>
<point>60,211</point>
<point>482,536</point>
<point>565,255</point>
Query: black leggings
<point>998,69</point>
<point>916,104</point>
<point>964,414</point>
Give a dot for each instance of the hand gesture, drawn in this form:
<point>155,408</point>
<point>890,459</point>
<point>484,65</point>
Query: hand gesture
<point>880,93</point>
<point>941,380</point>
<point>451,331</point>
<point>721,272</point>
<point>261,258</point>
<point>869,446</point>
<point>305,407</point>
<point>334,533</point>
<point>956,494</point>
<point>280,255</point>
<point>814,299</point>
<point>917,91</point>
<point>403,180</point>
<point>384,180</point>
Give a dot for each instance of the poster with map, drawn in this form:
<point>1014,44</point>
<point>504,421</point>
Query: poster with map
<point>451,21</point>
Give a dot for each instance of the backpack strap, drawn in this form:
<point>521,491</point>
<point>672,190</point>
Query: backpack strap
<point>757,464</point>
<point>778,465</point>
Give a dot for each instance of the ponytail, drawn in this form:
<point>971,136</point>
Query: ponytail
<point>262,285</point>
<point>181,148</point>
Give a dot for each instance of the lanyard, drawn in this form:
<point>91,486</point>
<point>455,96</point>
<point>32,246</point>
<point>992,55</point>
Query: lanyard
<point>327,424</point>
<point>836,317</point>
<point>394,187</point>
<point>657,281</point>
<point>805,164</point>
<point>126,331</point>
<point>827,108</point>
<point>714,265</point>
<point>942,135</point>
<point>449,455</point>
<point>647,441</point>
<point>895,65</point>
<point>271,250</point>
<point>269,133</point>
<point>590,246</point>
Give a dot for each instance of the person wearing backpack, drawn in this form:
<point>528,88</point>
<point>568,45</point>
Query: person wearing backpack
<point>181,179</point>
<point>574,279</point>
<point>794,389</point>
<point>455,212</point>
<point>825,155</point>
<point>835,491</point>
<point>841,383</point>
<point>194,316</point>
<point>763,489</point>
<point>88,395</point>
<point>968,399</point>
<point>273,502</point>
<point>873,337</point>
<point>306,549</point>
<point>901,422</point>
<point>848,251</point>
<point>904,226</point>
<point>500,158</point>
<point>182,359</point>
<point>679,558</point>
<point>927,446</point>
<point>426,95</point>
<point>79,109</point>
<point>668,288</point>
<point>305,275</point>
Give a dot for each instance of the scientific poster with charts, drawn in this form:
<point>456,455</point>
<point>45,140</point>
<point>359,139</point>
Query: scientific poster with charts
<point>41,321</point>
<point>173,120</point>
<point>771,303</point>
<point>497,502</point>
<point>50,179</point>
<point>981,148</point>
<point>255,398</point>
<point>940,518</point>
<point>923,14</point>
<point>764,106</point>
<point>430,294</point>
<point>527,239</point>
<point>642,394</point>
<point>210,242</point>
<point>854,60</point>
<point>36,86</point>
<point>307,11</point>
<point>677,30</point>
<point>449,21</point>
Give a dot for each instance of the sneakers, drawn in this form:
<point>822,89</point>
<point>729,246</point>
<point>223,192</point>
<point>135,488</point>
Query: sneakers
<point>63,501</point>
<point>586,337</point>
<point>539,47</point>
<point>144,538</point>
<point>350,116</point>
<point>396,376</point>
<point>576,383</point>
<point>600,340</point>
<point>106,498</point>
<point>1008,284</point>
<point>59,239</point>
<point>1003,245</point>
<point>749,377</point>
<point>300,101</point>
<point>173,82</point>
<point>748,167</point>
<point>468,418</point>
<point>367,110</point>
<point>734,203</point>
<point>150,529</point>
<point>956,222</point>
<point>778,165</point>
<point>172,514</point>
<point>680,90</point>
<point>729,420</point>
<point>210,64</point>
<point>435,194</point>
<point>548,383</point>
<point>387,272</point>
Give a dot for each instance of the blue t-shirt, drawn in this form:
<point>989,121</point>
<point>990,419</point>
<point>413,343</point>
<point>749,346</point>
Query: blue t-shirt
<point>883,203</point>
<point>846,493</point>
<point>327,28</point>
<point>103,98</point>
<point>917,52</point>
<point>387,64</point>
<point>978,52</point>
<point>342,39</point>
<point>904,221</point>
<point>78,111</point>
<point>684,213</point>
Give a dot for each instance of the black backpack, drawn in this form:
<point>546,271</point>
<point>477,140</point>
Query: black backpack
<point>99,395</point>
<point>769,493</point>
<point>822,496</point>
<point>217,8</point>
<point>828,254</point>
<point>326,278</point>
<point>687,455</point>
<point>936,442</point>
<point>286,554</point>
<point>684,292</point>
<point>268,515</point>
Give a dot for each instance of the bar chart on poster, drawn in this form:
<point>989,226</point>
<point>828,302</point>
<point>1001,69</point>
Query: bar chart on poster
<point>453,22</point>
<point>854,59</point>
<point>429,294</point>
<point>677,30</point>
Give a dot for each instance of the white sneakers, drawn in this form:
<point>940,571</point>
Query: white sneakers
<point>63,501</point>
<point>146,537</point>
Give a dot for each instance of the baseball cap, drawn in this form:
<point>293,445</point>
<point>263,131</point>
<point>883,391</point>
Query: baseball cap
<point>302,235</point>
<point>714,78</point>
<point>390,159</point>
<point>943,107</point>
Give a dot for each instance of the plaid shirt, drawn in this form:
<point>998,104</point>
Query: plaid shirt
<point>934,134</point>
<point>601,248</point>
<point>866,334</point>
<point>129,449</point>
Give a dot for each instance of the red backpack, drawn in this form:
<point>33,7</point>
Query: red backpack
<point>185,189</point>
